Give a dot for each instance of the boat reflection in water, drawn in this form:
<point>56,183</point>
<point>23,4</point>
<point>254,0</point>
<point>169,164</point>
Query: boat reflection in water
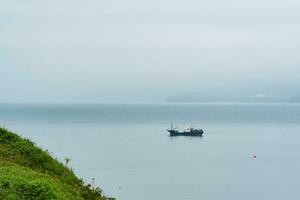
<point>189,131</point>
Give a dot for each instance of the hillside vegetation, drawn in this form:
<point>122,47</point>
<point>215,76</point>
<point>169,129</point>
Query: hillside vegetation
<point>29,173</point>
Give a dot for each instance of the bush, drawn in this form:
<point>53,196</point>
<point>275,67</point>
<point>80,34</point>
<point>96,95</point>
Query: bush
<point>29,173</point>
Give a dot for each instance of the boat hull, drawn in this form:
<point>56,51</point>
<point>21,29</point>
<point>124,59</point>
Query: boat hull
<point>198,133</point>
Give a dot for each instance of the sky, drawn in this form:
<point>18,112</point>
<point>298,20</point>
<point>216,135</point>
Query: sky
<point>143,51</point>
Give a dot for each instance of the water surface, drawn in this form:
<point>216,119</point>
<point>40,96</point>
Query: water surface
<point>127,150</point>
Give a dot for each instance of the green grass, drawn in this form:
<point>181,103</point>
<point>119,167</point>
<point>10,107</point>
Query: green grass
<point>29,173</point>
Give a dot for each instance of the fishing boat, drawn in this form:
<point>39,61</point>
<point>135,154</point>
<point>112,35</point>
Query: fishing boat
<point>189,131</point>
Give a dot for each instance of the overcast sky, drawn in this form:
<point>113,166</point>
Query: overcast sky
<point>137,50</point>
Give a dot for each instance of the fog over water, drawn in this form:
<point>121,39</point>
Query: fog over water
<point>100,81</point>
<point>124,51</point>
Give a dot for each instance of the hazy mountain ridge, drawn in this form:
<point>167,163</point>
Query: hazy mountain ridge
<point>257,98</point>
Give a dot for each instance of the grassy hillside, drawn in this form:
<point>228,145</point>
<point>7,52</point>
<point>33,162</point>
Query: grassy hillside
<point>29,173</point>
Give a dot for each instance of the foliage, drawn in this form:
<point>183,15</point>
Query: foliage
<point>29,173</point>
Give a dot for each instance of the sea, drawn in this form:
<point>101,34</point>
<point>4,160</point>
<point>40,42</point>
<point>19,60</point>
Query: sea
<point>248,151</point>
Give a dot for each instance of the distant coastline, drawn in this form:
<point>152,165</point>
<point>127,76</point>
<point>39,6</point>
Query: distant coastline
<point>258,98</point>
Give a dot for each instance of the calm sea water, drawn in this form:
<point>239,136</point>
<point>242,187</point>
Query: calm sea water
<point>127,150</point>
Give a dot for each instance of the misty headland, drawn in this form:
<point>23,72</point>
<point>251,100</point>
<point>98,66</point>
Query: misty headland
<point>206,98</point>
